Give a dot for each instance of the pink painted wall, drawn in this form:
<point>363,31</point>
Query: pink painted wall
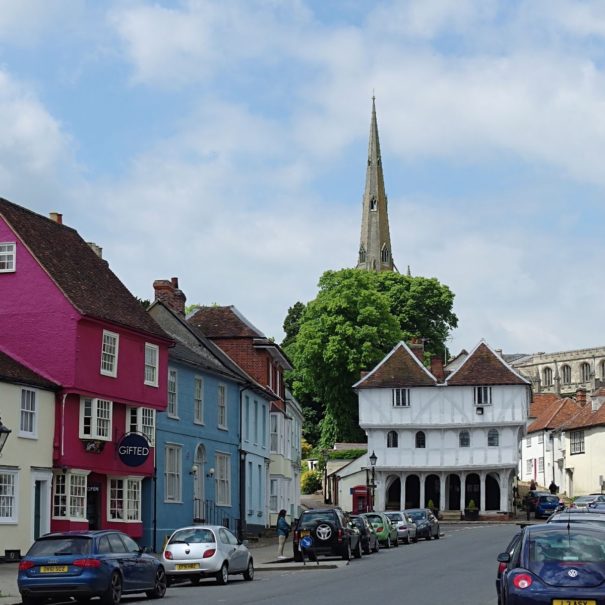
<point>37,323</point>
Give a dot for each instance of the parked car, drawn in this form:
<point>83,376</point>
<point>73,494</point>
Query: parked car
<point>502,566</point>
<point>369,539</point>
<point>546,505</point>
<point>385,530</point>
<point>201,551</point>
<point>554,564</point>
<point>86,564</point>
<point>427,525</point>
<point>531,498</point>
<point>328,531</point>
<point>579,515</point>
<point>406,528</point>
<point>586,501</point>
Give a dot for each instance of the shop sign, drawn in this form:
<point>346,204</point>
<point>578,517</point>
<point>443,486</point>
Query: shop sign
<point>133,449</point>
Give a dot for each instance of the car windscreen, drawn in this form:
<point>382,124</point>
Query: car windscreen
<point>395,516</point>
<point>61,545</point>
<point>312,518</point>
<point>417,515</point>
<point>549,499</point>
<point>569,517</point>
<point>374,518</point>
<point>192,536</point>
<point>579,545</point>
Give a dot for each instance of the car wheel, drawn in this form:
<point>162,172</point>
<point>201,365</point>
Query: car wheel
<point>249,573</point>
<point>113,594</point>
<point>324,532</point>
<point>222,576</point>
<point>387,544</point>
<point>438,534</point>
<point>159,585</point>
<point>376,546</point>
<point>358,552</point>
<point>195,580</point>
<point>366,548</point>
<point>346,555</point>
<point>298,556</point>
<point>396,543</point>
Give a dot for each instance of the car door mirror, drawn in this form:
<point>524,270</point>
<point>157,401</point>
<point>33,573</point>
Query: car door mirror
<point>504,557</point>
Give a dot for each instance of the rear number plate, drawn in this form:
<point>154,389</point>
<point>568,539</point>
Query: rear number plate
<point>53,569</point>
<point>573,602</point>
<point>304,533</point>
<point>181,566</point>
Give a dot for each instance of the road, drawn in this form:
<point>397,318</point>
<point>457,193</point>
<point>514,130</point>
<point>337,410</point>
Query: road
<point>459,568</point>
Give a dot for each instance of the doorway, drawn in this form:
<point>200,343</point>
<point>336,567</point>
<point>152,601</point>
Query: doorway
<point>93,506</point>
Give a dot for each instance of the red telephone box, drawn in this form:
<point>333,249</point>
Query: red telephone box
<point>361,499</point>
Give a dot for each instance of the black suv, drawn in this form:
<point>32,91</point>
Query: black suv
<point>326,531</point>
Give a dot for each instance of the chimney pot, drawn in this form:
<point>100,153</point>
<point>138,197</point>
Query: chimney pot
<point>417,347</point>
<point>437,368</point>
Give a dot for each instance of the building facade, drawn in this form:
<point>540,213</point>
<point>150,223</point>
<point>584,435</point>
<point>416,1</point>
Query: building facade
<point>70,319</point>
<point>27,409</point>
<point>448,440</point>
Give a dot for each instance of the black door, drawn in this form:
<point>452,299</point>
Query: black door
<point>37,492</point>
<point>93,506</point>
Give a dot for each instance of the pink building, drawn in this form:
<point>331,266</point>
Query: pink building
<point>65,315</point>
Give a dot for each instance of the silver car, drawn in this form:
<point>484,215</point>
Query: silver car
<point>406,528</point>
<point>202,551</point>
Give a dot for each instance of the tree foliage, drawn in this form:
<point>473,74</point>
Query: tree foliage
<point>356,318</point>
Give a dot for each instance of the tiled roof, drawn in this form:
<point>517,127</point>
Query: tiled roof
<point>83,277</point>
<point>541,402</point>
<point>586,418</point>
<point>553,414</point>
<point>13,371</point>
<point>400,369</point>
<point>223,322</point>
<point>484,367</point>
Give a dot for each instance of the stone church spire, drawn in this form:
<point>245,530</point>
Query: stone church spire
<point>375,253</point>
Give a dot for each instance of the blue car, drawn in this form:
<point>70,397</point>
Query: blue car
<point>546,506</point>
<point>85,564</point>
<point>555,564</point>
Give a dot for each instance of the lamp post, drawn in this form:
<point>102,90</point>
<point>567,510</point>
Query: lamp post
<point>373,459</point>
<point>4,433</point>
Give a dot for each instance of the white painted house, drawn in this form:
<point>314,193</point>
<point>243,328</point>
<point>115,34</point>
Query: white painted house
<point>450,438</point>
<point>27,408</point>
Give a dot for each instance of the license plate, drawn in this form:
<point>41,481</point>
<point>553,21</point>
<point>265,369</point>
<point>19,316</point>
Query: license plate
<point>181,566</point>
<point>305,533</point>
<point>573,602</point>
<point>53,569</point>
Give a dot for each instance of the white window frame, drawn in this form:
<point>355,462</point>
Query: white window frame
<point>28,419</point>
<point>97,406</point>
<point>124,499</point>
<point>256,421</point>
<point>246,418</point>
<point>9,496</point>
<point>221,406</point>
<point>540,437</point>
<point>528,441</point>
<point>274,432</point>
<point>72,502</point>
<point>529,466</point>
<point>273,495</point>
<point>495,438</point>
<point>576,442</point>
<point>264,425</point>
<point>173,473</point>
<point>152,364</point>
<point>540,464</point>
<point>482,395</point>
<point>109,357</point>
<point>141,420</point>
<point>8,257</point>
<point>223,479</point>
<point>401,398</point>
<point>198,400</point>
<point>172,409</point>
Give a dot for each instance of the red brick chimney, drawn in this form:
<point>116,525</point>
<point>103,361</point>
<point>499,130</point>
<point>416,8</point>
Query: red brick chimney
<point>168,292</point>
<point>417,347</point>
<point>437,368</point>
<point>581,396</point>
<point>56,216</point>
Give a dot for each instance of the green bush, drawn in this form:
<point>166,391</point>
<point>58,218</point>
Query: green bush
<point>310,482</point>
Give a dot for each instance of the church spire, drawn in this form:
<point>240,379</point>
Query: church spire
<point>375,253</point>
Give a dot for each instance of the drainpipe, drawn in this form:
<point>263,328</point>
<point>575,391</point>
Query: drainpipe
<point>242,467</point>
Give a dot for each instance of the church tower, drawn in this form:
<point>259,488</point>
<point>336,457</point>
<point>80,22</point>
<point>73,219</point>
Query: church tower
<point>375,253</point>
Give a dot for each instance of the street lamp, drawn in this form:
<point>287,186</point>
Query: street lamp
<point>4,433</point>
<point>373,459</point>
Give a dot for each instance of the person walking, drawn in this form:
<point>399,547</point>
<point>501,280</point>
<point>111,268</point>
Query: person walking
<point>283,531</point>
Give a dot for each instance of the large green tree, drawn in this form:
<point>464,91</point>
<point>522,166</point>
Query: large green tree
<point>356,318</point>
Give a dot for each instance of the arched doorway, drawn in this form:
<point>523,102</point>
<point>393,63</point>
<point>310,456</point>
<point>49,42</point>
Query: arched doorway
<point>492,492</point>
<point>473,490</point>
<point>452,484</point>
<point>199,463</point>
<point>432,491</point>
<point>393,494</point>
<point>412,491</point>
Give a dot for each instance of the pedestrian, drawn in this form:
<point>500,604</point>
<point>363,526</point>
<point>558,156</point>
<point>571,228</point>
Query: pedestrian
<point>283,531</point>
<point>553,488</point>
<point>532,485</point>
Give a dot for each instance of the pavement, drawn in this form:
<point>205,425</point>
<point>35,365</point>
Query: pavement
<point>264,551</point>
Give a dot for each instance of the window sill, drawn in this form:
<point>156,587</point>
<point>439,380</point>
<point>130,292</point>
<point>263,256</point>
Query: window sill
<point>125,521</point>
<point>27,436</point>
<point>223,428</point>
<point>151,384</point>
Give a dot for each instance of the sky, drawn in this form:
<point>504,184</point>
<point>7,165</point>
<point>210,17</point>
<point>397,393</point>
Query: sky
<point>225,143</point>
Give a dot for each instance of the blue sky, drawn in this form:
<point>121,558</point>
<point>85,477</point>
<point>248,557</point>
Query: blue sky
<point>225,143</point>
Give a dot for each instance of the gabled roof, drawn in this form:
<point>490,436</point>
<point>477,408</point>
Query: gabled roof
<point>223,322</point>
<point>84,278</point>
<point>13,371</point>
<point>484,367</point>
<point>553,415</point>
<point>399,369</point>
<point>542,402</point>
<point>586,418</point>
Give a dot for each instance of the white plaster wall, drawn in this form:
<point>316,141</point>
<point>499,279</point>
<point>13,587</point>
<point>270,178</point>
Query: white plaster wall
<point>589,466</point>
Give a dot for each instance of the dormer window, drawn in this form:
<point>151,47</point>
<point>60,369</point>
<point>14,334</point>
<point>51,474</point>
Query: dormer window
<point>7,257</point>
<point>483,395</point>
